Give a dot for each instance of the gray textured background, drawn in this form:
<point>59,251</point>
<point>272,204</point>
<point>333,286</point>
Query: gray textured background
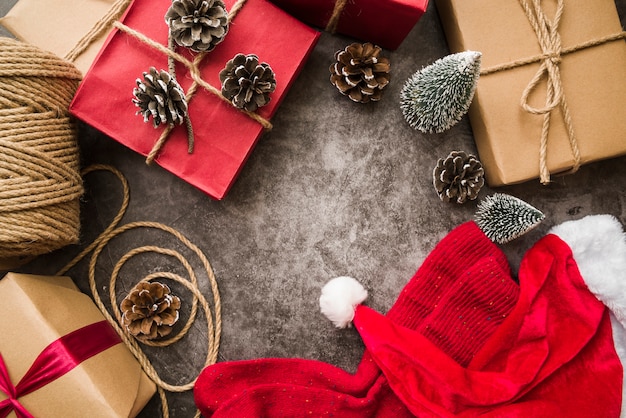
<point>336,188</point>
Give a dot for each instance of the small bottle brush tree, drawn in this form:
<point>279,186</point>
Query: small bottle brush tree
<point>436,97</point>
<point>503,217</point>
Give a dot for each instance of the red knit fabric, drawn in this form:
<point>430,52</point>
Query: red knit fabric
<point>553,356</point>
<point>460,295</point>
<point>465,278</point>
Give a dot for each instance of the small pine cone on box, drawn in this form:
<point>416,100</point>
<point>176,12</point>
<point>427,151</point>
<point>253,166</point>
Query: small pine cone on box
<point>360,72</point>
<point>197,24</point>
<point>247,83</point>
<point>150,310</point>
<point>458,177</point>
<point>160,96</point>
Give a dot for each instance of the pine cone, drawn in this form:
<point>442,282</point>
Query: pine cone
<point>159,95</point>
<point>360,73</point>
<point>458,177</point>
<point>150,310</point>
<point>246,83</point>
<point>197,24</point>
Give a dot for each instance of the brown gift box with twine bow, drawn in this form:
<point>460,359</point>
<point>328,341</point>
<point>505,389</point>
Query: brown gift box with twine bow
<point>38,310</point>
<point>592,83</point>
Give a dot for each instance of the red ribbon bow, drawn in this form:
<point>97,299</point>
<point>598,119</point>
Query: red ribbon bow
<point>58,358</point>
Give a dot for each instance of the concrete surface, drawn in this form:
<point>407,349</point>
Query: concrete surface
<point>336,188</point>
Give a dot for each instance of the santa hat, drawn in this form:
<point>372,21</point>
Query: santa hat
<point>460,294</point>
<point>483,344</point>
<point>297,387</point>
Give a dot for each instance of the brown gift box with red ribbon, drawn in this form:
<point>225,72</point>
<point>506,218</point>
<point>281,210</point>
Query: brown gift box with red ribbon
<point>385,23</point>
<point>60,358</point>
<point>586,82</point>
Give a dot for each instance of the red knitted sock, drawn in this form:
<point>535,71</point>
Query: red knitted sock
<point>293,387</point>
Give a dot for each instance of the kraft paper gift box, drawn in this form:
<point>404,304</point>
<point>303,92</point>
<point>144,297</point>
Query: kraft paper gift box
<point>593,82</point>
<point>383,22</point>
<point>57,26</point>
<point>48,317</point>
<point>224,136</point>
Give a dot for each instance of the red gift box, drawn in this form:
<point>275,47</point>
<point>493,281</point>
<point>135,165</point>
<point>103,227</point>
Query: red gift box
<point>224,136</point>
<point>383,22</point>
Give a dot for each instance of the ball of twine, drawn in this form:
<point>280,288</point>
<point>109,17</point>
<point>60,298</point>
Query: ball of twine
<point>40,181</point>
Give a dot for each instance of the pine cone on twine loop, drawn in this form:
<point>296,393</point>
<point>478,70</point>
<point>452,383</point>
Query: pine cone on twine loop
<point>150,310</point>
<point>458,177</point>
<point>247,83</point>
<point>360,72</point>
<point>161,97</point>
<point>197,24</point>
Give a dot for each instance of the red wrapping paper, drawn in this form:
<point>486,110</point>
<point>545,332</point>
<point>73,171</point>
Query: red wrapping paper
<point>224,136</point>
<point>385,23</point>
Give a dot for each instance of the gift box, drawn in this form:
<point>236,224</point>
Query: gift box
<point>592,81</point>
<point>57,26</point>
<point>385,23</point>
<point>224,135</point>
<point>78,365</point>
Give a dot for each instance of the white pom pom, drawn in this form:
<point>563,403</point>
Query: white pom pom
<point>339,298</point>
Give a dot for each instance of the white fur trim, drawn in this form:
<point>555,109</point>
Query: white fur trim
<point>339,298</point>
<point>598,244</point>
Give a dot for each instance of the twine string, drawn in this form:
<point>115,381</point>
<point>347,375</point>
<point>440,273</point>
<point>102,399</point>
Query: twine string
<point>171,69</point>
<point>331,26</point>
<point>549,39</point>
<point>191,284</point>
<point>100,27</point>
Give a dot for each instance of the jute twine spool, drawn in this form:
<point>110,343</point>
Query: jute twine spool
<point>40,182</point>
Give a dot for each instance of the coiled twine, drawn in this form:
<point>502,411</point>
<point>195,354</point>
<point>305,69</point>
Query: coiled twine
<point>40,181</point>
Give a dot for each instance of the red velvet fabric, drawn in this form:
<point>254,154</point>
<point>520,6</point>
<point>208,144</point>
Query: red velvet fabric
<point>552,356</point>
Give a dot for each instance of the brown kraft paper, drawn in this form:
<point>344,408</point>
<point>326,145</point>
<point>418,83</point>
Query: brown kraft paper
<point>57,26</point>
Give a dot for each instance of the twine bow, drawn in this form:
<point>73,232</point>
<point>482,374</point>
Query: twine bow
<point>547,32</point>
<point>194,72</point>
<point>550,42</point>
<point>331,26</point>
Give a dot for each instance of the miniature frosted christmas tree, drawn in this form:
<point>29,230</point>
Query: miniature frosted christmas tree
<point>436,97</point>
<point>503,217</point>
